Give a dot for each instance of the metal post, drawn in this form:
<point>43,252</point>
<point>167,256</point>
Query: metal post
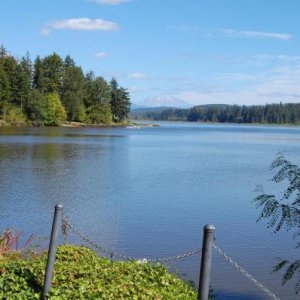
<point>204,280</point>
<point>52,250</point>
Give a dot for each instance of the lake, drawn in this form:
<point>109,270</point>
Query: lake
<point>148,193</point>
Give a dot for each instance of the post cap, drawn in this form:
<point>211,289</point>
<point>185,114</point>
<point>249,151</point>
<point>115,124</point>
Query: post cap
<point>209,227</point>
<point>59,206</point>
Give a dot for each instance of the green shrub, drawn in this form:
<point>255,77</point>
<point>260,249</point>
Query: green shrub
<point>99,114</point>
<point>14,115</point>
<point>55,112</point>
<point>82,274</point>
<point>46,108</point>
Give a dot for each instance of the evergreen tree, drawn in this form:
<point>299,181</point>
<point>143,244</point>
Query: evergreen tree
<point>9,64</point>
<point>72,91</point>
<point>97,99</point>
<point>53,73</point>
<point>4,90</point>
<point>38,75</point>
<point>120,101</point>
<point>24,80</point>
<point>36,89</point>
<point>36,107</point>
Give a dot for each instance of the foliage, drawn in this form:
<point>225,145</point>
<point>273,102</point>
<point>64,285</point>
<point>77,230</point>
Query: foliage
<point>120,101</point>
<point>99,114</point>
<point>4,89</point>
<point>36,106</point>
<point>97,90</point>
<point>81,274</point>
<point>13,115</point>
<point>266,114</point>
<point>26,86</point>
<point>45,109</point>
<point>52,73</point>
<point>285,211</point>
<point>55,112</point>
<point>72,91</point>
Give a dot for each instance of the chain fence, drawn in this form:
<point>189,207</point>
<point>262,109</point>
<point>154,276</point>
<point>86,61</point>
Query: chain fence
<point>244,272</point>
<point>68,227</point>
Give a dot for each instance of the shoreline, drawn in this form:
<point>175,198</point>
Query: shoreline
<point>220,123</point>
<point>138,124</point>
<point>72,124</point>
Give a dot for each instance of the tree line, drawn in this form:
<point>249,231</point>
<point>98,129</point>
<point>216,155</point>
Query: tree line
<point>50,90</point>
<point>269,114</point>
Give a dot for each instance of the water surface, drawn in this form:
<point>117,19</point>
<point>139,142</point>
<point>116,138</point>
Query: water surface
<point>148,192</point>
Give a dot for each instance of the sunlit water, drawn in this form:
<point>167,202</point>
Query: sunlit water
<point>148,192</point>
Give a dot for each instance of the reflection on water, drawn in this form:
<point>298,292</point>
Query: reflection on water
<point>148,192</point>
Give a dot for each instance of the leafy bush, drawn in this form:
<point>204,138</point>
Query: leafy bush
<point>82,274</point>
<point>99,114</point>
<point>55,112</point>
<point>14,115</point>
<point>45,109</point>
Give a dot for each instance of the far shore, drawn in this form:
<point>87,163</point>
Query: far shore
<point>138,123</point>
<point>71,124</point>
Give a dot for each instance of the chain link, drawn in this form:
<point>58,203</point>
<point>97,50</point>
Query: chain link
<point>66,227</point>
<point>244,272</point>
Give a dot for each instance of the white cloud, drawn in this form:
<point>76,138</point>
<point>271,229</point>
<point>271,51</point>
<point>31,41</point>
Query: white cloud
<point>138,76</point>
<point>276,85</point>
<point>164,100</point>
<point>84,24</point>
<point>101,54</point>
<point>109,2</point>
<point>233,33</point>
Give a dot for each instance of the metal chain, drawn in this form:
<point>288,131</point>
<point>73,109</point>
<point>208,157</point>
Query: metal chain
<point>245,273</point>
<point>66,226</point>
<point>65,229</point>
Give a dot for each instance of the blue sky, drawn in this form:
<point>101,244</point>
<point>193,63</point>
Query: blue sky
<point>169,52</point>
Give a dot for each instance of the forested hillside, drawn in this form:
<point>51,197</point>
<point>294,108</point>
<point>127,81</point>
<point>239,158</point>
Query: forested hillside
<point>50,90</point>
<point>265,114</point>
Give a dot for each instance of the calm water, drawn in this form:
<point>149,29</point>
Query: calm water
<point>148,192</point>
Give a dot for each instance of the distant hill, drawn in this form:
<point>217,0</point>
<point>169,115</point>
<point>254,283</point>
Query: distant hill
<point>211,106</point>
<point>150,109</point>
<point>288,113</point>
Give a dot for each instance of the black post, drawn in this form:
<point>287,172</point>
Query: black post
<point>206,258</point>
<point>52,250</point>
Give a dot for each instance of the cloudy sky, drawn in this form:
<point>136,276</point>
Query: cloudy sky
<point>169,52</point>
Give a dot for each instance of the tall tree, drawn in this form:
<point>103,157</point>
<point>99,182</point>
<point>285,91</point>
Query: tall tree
<point>10,66</point>
<point>72,91</point>
<point>97,99</point>
<point>38,75</point>
<point>53,73</point>
<point>120,101</point>
<point>4,90</point>
<point>24,80</point>
<point>97,90</point>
